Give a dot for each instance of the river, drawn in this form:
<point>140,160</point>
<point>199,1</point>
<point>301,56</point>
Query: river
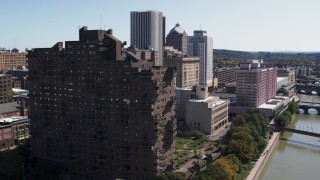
<point>296,156</point>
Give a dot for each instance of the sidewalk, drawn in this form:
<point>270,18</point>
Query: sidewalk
<point>259,165</point>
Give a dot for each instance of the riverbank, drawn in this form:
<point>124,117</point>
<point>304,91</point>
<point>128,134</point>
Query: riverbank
<point>263,159</point>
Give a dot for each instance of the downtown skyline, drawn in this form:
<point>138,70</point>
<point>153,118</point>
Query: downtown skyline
<point>247,25</point>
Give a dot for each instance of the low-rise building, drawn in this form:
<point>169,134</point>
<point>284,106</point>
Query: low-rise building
<point>13,130</point>
<point>207,114</point>
<point>9,110</point>
<point>272,107</point>
<point>19,76</point>
<point>282,81</point>
<point>6,137</point>
<point>182,95</point>
<point>287,72</point>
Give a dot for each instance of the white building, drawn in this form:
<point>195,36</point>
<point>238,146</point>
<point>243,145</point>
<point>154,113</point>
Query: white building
<point>207,114</point>
<point>148,31</point>
<point>202,46</point>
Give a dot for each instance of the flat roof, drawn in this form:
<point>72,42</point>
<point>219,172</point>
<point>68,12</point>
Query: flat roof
<point>281,78</point>
<point>12,119</point>
<point>8,107</point>
<point>269,106</point>
<point>183,88</point>
<point>223,95</point>
<point>19,91</point>
<point>272,103</point>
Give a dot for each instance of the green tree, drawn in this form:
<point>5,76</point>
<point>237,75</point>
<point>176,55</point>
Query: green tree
<point>235,129</point>
<point>239,120</point>
<point>259,121</point>
<point>234,162</point>
<point>244,151</point>
<point>288,115</point>
<point>223,170</point>
<point>280,120</point>
<point>262,143</point>
<point>199,135</point>
<point>207,174</point>
<point>293,106</point>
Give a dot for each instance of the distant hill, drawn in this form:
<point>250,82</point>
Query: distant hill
<point>286,56</point>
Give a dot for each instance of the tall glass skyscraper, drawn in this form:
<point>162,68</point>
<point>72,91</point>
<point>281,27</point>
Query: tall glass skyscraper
<point>202,46</point>
<point>148,31</point>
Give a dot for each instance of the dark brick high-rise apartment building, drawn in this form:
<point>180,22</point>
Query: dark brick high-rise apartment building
<point>99,112</point>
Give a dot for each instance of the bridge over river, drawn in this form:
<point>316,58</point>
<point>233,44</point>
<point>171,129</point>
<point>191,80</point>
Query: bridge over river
<point>308,88</point>
<point>308,133</point>
<point>305,106</point>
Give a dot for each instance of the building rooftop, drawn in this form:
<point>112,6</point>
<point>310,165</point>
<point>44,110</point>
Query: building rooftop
<point>209,99</point>
<point>273,102</point>
<point>223,95</point>
<point>279,79</point>
<point>8,107</point>
<point>19,91</point>
<point>13,119</point>
<point>177,29</point>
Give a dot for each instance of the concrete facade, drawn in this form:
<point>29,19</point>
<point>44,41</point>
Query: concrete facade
<point>100,112</point>
<point>206,113</point>
<point>148,31</point>
<point>186,68</point>
<point>201,45</point>
<point>182,96</point>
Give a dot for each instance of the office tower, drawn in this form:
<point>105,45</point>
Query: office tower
<point>100,112</point>
<point>148,31</point>
<point>12,59</point>
<point>186,67</point>
<point>5,88</point>
<point>255,85</point>
<point>201,45</point>
<point>178,39</point>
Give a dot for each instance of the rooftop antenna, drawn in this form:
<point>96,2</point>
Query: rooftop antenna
<point>14,43</point>
<point>200,26</point>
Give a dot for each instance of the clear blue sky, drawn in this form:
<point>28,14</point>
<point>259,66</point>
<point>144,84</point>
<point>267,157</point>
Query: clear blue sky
<point>252,25</point>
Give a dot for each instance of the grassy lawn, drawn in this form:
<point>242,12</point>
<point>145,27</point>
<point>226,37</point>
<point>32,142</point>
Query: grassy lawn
<point>188,143</point>
<point>184,143</point>
<point>180,158</point>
